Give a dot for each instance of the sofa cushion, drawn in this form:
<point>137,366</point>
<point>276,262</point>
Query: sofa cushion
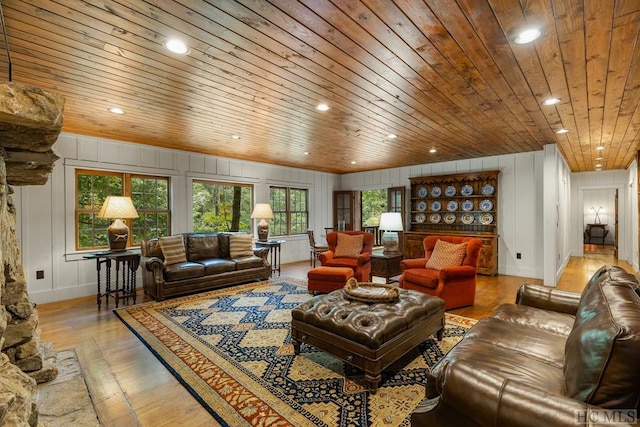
<point>248,263</point>
<point>240,246</point>
<point>223,240</point>
<point>217,265</point>
<point>602,350</point>
<point>183,270</point>
<point>173,249</point>
<point>422,276</point>
<point>203,246</point>
<point>446,255</point>
<point>349,246</point>
<point>151,248</point>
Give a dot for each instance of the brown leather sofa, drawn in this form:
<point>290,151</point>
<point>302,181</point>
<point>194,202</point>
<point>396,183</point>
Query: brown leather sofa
<point>553,358</point>
<point>208,266</point>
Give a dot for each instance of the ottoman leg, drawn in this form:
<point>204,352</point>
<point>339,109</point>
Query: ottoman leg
<point>372,381</point>
<point>440,334</point>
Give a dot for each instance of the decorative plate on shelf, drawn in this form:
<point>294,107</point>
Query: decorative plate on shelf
<point>450,191</point>
<point>422,192</point>
<point>486,218</point>
<point>488,189</point>
<point>420,217</point>
<point>486,205</point>
<point>466,190</point>
<point>422,206</point>
<point>436,205</point>
<point>452,205</point>
<point>436,192</point>
<point>467,205</point>
<point>466,218</point>
<point>435,218</point>
<point>450,218</point>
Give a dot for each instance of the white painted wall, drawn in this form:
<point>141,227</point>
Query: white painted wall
<point>519,202</point>
<point>537,205</point>
<point>45,223</point>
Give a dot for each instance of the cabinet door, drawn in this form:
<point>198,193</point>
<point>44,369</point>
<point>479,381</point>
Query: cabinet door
<point>413,247</point>
<point>343,202</point>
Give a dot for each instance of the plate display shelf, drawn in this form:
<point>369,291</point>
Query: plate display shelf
<point>471,197</point>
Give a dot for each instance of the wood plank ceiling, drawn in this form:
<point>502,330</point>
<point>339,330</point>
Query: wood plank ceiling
<point>440,74</point>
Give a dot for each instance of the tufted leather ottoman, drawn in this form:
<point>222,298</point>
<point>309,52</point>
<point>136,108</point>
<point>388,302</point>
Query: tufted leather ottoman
<point>368,336</point>
<point>327,279</point>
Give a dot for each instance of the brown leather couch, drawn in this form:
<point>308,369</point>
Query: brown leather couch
<point>553,358</point>
<point>208,266</point>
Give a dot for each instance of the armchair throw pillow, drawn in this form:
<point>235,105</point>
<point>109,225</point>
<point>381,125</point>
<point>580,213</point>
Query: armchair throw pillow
<point>240,245</point>
<point>349,245</point>
<point>173,249</point>
<point>446,254</point>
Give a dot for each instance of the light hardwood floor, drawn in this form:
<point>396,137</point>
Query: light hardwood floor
<point>130,387</point>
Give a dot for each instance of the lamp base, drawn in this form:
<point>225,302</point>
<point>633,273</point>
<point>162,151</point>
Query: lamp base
<point>390,241</point>
<point>118,234</point>
<point>263,231</point>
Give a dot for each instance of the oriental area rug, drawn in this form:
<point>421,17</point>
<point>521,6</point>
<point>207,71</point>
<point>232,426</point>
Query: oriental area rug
<point>232,349</point>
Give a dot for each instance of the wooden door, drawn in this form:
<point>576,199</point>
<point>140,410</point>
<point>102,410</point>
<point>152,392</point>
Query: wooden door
<point>343,209</point>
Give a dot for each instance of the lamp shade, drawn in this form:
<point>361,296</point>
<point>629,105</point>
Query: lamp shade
<point>391,221</point>
<point>262,211</point>
<point>118,207</point>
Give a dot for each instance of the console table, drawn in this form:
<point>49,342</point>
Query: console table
<point>386,264</point>
<point>126,264</point>
<point>601,235</point>
<point>274,252</point>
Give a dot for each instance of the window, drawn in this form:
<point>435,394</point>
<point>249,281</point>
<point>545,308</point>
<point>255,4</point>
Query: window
<point>222,206</point>
<point>290,211</point>
<point>150,196</point>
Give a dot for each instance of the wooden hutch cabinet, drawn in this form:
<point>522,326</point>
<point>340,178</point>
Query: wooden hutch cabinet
<point>464,204</point>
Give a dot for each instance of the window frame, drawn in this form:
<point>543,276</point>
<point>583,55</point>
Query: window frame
<point>126,178</point>
<point>288,212</point>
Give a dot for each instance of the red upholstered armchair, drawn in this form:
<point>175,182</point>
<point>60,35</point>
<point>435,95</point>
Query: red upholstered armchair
<point>361,264</point>
<point>455,285</point>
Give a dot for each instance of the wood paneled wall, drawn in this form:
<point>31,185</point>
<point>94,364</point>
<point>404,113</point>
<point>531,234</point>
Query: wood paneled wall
<point>46,213</point>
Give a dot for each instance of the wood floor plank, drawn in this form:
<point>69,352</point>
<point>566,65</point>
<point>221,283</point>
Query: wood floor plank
<point>130,387</point>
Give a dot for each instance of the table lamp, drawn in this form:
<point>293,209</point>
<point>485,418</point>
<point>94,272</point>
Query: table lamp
<point>263,212</point>
<point>391,223</point>
<point>117,208</point>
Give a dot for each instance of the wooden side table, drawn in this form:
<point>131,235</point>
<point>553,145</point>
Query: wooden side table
<point>126,264</point>
<point>386,264</point>
<point>274,252</point>
<point>601,235</point>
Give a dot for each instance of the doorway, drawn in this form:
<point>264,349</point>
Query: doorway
<point>600,219</point>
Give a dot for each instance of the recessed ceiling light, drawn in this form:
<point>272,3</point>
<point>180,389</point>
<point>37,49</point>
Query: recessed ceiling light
<point>177,46</point>
<point>353,162</point>
<point>562,131</point>
<point>599,158</point>
<point>322,107</point>
<point>599,148</point>
<point>598,169</point>
<point>392,136</point>
<point>116,110</point>
<point>598,165</point>
<point>433,151</point>
<point>306,153</point>
<point>235,136</point>
<point>527,36</point>
<point>551,101</point>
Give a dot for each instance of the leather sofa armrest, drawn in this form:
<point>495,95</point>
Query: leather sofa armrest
<point>155,265</point>
<point>406,264</point>
<point>492,400</point>
<point>547,298</point>
<point>261,253</point>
